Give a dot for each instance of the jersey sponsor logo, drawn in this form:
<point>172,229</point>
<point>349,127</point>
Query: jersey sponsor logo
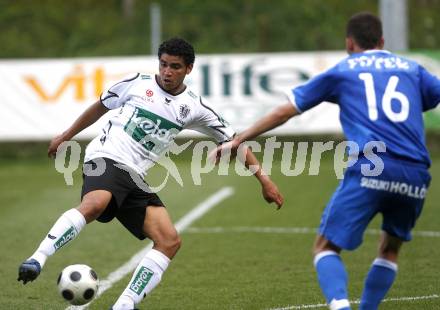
<point>183,113</point>
<point>148,99</point>
<point>66,237</point>
<point>152,131</point>
<point>223,121</point>
<point>149,93</point>
<point>51,237</point>
<point>141,280</point>
<point>401,188</point>
<point>106,130</point>
<point>181,122</point>
<point>192,95</point>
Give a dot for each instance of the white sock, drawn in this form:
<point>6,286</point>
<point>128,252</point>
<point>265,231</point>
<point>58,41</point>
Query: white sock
<point>145,278</point>
<point>339,304</point>
<point>65,229</point>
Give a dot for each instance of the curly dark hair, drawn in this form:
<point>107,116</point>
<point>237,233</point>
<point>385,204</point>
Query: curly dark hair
<point>177,47</point>
<point>366,29</point>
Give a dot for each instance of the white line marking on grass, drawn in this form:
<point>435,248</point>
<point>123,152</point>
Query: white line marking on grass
<point>290,230</point>
<point>240,229</point>
<point>181,225</point>
<point>307,230</point>
<point>414,298</point>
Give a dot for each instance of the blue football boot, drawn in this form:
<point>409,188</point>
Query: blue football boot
<point>29,270</point>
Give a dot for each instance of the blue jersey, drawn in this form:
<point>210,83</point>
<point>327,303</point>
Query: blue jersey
<point>381,97</point>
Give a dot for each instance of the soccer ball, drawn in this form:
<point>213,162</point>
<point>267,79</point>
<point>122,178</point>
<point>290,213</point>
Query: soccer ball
<point>78,284</point>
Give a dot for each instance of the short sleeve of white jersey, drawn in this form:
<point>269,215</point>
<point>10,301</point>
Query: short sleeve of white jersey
<point>113,97</point>
<point>212,124</point>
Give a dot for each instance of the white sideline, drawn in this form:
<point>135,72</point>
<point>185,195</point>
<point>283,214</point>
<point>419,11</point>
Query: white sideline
<point>181,225</point>
<point>289,230</point>
<point>413,298</point>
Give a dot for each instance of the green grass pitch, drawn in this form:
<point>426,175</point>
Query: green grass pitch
<point>238,265</point>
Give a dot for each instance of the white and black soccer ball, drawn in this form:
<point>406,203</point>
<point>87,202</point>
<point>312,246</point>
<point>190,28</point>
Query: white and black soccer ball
<point>78,284</point>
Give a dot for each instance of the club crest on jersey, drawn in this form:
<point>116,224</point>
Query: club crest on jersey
<point>149,93</point>
<point>184,111</point>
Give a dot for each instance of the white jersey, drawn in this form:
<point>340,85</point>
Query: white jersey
<point>148,121</point>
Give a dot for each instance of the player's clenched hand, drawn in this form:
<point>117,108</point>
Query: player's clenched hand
<point>53,146</point>
<point>272,194</point>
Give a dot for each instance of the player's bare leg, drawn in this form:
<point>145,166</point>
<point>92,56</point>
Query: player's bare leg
<point>65,229</point>
<point>332,276</point>
<point>322,244</point>
<point>93,204</point>
<point>382,273</point>
<point>389,247</point>
<point>159,228</point>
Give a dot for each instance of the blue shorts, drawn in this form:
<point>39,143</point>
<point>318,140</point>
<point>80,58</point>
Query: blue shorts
<point>398,193</point>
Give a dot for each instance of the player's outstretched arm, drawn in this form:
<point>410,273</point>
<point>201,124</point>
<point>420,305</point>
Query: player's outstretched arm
<point>87,118</point>
<point>269,189</point>
<point>277,117</point>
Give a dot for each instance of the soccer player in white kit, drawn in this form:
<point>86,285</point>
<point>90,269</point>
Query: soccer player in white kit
<point>153,109</point>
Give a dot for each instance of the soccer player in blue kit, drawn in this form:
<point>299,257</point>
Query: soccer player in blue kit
<point>381,97</point>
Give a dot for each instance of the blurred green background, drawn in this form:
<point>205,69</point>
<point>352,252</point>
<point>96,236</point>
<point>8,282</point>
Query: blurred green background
<point>52,28</point>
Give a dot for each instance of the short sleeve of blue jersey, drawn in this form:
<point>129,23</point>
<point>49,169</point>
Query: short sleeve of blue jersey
<point>430,88</point>
<point>318,89</point>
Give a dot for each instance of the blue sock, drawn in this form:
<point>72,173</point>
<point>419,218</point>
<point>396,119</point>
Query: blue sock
<point>379,280</point>
<point>333,279</point>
